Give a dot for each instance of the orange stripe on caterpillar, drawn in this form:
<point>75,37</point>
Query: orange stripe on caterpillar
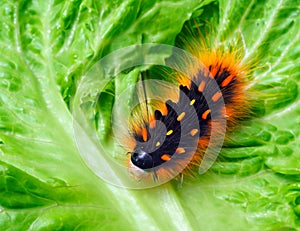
<point>216,96</point>
<point>227,80</point>
<point>180,150</point>
<point>201,86</point>
<point>166,157</point>
<point>145,134</point>
<point>205,114</point>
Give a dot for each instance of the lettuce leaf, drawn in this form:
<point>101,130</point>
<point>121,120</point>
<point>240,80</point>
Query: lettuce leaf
<point>47,46</point>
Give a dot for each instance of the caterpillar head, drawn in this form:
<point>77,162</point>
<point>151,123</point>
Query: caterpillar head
<point>141,159</point>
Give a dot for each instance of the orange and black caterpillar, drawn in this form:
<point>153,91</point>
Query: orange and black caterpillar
<point>158,136</point>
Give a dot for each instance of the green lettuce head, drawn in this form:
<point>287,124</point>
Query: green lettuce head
<point>47,50</point>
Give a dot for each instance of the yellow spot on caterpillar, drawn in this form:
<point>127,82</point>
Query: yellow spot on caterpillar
<point>165,157</point>
<point>227,81</point>
<point>157,144</point>
<point>192,102</point>
<point>193,132</point>
<point>169,132</point>
<point>201,86</point>
<point>145,134</point>
<point>180,117</point>
<point>180,150</point>
<point>205,114</point>
<point>216,96</point>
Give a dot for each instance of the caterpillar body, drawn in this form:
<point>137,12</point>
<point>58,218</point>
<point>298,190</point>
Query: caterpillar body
<point>176,134</point>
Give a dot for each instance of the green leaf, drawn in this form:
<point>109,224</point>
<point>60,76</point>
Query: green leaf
<point>46,49</point>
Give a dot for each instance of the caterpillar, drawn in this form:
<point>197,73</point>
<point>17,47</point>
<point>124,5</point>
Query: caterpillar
<point>172,137</point>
